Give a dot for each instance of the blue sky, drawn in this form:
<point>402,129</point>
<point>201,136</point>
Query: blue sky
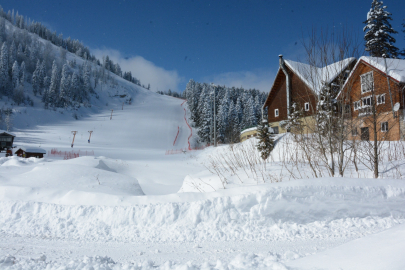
<point>166,43</point>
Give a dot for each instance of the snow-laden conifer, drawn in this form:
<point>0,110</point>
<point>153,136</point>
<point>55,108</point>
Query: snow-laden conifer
<point>64,88</point>
<point>15,75</point>
<point>378,37</point>
<point>4,77</point>
<point>36,79</point>
<point>266,142</point>
<point>53,87</point>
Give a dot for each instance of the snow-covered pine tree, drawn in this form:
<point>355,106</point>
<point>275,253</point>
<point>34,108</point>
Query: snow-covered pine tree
<point>36,79</point>
<point>42,75</point>
<point>13,54</point>
<point>15,75</point>
<point>266,142</point>
<point>75,87</point>
<point>204,131</point>
<point>54,86</point>
<point>222,118</point>
<point>63,100</point>
<point>378,36</point>
<point>20,53</point>
<point>86,79</point>
<point>22,74</point>
<point>4,77</point>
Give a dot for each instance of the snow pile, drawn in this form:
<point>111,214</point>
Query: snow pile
<point>242,261</point>
<point>85,180</point>
<point>318,208</point>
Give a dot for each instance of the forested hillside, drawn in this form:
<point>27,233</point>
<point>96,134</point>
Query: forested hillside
<point>34,58</point>
<point>235,109</point>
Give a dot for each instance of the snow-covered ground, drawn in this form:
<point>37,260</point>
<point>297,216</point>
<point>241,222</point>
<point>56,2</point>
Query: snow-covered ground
<point>131,206</point>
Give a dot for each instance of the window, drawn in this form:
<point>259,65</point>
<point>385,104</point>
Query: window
<point>276,112</point>
<point>356,105</point>
<point>275,130</point>
<point>380,99</point>
<point>367,82</point>
<point>354,131</point>
<point>306,106</point>
<point>366,101</point>
<point>384,126</point>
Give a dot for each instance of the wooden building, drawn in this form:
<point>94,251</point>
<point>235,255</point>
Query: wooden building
<point>297,85</point>
<point>30,152</point>
<point>6,142</point>
<point>377,83</point>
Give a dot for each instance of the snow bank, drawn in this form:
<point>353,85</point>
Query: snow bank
<point>318,208</point>
<point>85,180</point>
<point>242,261</point>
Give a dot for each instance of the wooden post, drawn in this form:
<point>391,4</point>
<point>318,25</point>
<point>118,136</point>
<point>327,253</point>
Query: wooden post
<point>74,135</point>
<point>90,136</point>
<point>111,114</point>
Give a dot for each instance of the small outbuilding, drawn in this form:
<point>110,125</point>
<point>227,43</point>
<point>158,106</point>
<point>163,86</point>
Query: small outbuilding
<point>26,152</point>
<point>6,142</point>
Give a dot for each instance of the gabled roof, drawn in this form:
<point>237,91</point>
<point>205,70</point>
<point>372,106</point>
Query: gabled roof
<point>6,132</point>
<point>315,77</point>
<point>32,150</point>
<point>395,68</point>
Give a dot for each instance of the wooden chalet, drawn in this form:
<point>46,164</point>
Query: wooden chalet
<point>379,81</point>
<point>297,85</point>
<point>30,152</point>
<point>6,142</point>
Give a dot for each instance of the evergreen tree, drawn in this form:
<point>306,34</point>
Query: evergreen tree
<point>42,75</point>
<point>4,77</point>
<point>53,87</point>
<point>74,87</point>
<point>204,131</point>
<point>13,54</point>
<point>379,32</point>
<point>403,30</point>
<point>20,53</point>
<point>222,118</point>
<point>36,80</point>
<point>15,75</point>
<point>22,74</point>
<point>64,88</point>
<point>266,142</point>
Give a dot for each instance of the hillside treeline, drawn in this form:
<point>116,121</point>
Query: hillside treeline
<point>235,108</point>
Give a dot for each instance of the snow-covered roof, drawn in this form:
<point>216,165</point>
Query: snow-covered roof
<point>314,77</point>
<point>395,67</point>
<point>32,149</point>
<point>3,131</point>
<point>248,129</point>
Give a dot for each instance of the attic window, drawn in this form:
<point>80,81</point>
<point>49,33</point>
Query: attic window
<point>367,82</point>
<point>276,112</point>
<point>306,106</point>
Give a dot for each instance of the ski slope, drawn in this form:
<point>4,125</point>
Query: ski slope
<point>136,134</point>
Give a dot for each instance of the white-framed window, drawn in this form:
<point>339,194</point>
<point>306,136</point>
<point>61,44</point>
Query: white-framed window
<point>384,126</point>
<point>276,112</point>
<point>380,99</point>
<point>366,101</point>
<point>306,106</point>
<point>367,82</point>
<point>357,105</point>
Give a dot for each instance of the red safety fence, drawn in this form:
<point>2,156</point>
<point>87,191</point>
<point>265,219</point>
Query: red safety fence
<point>69,154</point>
<point>178,130</point>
